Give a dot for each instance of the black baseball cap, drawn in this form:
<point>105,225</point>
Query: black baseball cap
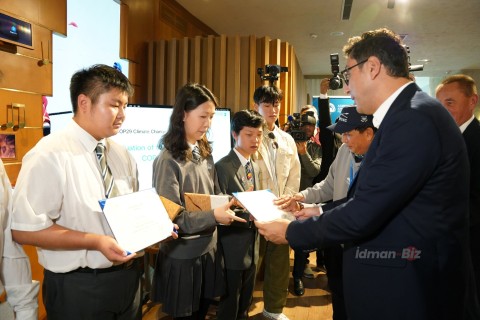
<point>350,119</point>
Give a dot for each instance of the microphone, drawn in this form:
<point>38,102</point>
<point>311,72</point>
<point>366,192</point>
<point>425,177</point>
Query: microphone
<point>272,136</point>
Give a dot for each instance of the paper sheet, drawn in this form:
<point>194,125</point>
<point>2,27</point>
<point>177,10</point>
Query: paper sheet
<point>260,205</point>
<point>138,220</point>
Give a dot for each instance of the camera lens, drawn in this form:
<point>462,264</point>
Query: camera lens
<point>335,83</point>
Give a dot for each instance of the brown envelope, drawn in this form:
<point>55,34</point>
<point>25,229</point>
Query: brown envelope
<point>172,208</point>
<point>197,202</point>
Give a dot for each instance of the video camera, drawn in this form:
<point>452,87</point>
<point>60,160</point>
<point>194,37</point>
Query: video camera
<point>295,121</point>
<point>271,72</point>
<point>335,82</point>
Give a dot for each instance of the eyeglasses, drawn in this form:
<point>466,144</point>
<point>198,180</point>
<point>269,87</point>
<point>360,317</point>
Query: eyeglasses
<point>345,73</point>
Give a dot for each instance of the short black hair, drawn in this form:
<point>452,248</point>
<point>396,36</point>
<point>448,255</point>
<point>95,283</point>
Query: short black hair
<point>246,118</point>
<point>95,81</point>
<point>384,44</point>
<point>267,94</point>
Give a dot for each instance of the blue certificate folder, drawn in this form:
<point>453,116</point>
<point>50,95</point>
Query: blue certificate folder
<point>137,220</point>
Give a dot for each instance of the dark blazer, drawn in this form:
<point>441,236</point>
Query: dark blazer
<point>239,241</point>
<point>471,135</point>
<point>405,224</point>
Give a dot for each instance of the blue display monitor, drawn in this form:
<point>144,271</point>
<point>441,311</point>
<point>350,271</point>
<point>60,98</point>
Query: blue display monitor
<point>337,103</point>
<point>15,31</point>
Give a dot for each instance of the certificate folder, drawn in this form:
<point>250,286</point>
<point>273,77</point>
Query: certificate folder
<point>260,205</point>
<point>138,220</point>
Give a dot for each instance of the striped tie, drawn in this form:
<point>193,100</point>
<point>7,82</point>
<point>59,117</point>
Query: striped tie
<point>110,189</point>
<point>196,154</point>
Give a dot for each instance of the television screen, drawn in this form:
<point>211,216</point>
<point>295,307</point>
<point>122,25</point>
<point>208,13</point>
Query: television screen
<point>15,31</point>
<point>337,103</point>
<point>146,124</point>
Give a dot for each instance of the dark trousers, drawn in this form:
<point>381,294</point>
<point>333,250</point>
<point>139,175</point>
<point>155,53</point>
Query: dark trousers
<point>93,296</point>
<point>240,285</point>
<point>201,314</point>
<point>301,260</point>
<point>334,265</point>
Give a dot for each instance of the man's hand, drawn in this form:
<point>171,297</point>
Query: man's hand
<point>301,147</point>
<point>274,231</point>
<point>289,203</point>
<point>324,86</point>
<point>109,247</point>
<point>306,213</point>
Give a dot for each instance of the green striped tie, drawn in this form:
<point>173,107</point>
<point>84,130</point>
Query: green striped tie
<point>108,181</point>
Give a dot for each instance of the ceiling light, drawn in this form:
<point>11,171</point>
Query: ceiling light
<point>313,35</point>
<point>336,33</point>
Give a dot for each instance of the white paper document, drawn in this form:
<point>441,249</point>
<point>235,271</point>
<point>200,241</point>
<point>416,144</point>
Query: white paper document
<point>260,205</point>
<point>138,220</point>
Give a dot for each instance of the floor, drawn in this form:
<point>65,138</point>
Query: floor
<point>315,304</point>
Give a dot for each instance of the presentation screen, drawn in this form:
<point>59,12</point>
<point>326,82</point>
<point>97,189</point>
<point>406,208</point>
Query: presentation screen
<point>146,124</point>
<point>337,103</point>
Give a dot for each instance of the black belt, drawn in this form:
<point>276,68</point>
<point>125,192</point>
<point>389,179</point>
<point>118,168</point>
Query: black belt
<point>124,266</point>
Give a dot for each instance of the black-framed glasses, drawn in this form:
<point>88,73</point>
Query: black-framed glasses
<point>345,73</point>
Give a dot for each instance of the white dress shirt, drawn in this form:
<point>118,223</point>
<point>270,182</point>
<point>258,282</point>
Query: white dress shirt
<point>15,271</point>
<point>60,183</point>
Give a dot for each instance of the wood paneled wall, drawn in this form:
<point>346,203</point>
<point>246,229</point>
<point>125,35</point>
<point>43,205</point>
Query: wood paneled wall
<point>26,75</point>
<point>168,47</point>
<point>226,64</point>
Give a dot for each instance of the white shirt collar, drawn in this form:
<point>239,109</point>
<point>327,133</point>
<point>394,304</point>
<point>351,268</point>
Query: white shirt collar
<point>193,145</point>
<point>385,106</point>
<point>243,160</point>
<point>86,139</point>
<point>465,125</point>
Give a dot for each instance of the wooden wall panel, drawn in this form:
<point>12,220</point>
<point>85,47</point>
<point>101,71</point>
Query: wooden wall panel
<point>171,71</point>
<point>226,65</point>
<point>220,69</point>
<point>53,15</point>
<point>161,62</point>
<point>23,73</point>
<point>183,62</point>
<point>232,99</point>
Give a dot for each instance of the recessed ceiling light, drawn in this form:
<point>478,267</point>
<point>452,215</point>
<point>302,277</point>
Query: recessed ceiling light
<point>336,33</point>
<point>313,35</point>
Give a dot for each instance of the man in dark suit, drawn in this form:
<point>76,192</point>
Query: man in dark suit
<point>239,241</point>
<point>458,93</point>
<point>404,226</point>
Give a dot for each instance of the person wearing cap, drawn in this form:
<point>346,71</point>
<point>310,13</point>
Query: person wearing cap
<point>357,132</point>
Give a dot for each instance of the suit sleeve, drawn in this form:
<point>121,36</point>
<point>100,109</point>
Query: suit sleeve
<point>409,143</point>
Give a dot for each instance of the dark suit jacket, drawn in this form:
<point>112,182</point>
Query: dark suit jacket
<point>405,224</point>
<point>471,135</point>
<point>239,243</point>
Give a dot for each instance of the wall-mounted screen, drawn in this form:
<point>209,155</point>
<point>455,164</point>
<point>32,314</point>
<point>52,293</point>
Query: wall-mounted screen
<point>146,124</point>
<point>15,31</point>
<point>337,103</point>
<point>143,127</point>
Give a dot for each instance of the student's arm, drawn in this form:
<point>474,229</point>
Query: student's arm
<point>58,237</point>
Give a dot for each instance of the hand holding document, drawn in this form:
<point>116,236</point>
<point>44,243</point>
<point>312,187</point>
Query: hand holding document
<point>260,205</point>
<point>138,220</point>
